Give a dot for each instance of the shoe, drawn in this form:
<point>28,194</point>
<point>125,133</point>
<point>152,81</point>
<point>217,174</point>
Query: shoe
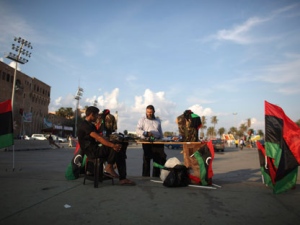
<point>126,182</point>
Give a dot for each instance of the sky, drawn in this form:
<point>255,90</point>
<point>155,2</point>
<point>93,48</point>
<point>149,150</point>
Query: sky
<point>217,58</point>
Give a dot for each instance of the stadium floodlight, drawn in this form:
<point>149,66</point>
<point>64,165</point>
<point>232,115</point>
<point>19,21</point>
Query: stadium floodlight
<point>77,97</point>
<point>21,46</point>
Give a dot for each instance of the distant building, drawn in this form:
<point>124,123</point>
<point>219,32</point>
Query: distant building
<point>31,100</point>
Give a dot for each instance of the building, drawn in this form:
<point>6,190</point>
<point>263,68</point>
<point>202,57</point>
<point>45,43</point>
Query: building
<point>31,100</point>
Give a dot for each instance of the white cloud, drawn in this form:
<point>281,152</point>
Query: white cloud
<point>199,110</point>
<point>13,65</point>
<point>239,33</point>
<point>283,74</point>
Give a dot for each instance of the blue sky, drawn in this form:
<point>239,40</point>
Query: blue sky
<point>214,57</point>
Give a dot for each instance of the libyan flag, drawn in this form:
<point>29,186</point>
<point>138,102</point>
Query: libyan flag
<point>204,157</point>
<point>282,148</point>
<point>6,127</point>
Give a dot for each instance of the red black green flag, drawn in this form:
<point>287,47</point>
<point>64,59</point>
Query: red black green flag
<point>6,124</point>
<point>282,145</point>
<point>267,166</point>
<point>205,156</point>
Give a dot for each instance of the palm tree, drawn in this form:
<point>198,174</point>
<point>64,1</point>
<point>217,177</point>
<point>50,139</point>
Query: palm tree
<point>232,130</point>
<point>203,127</point>
<point>221,131</point>
<point>243,128</point>
<point>248,122</point>
<point>260,133</point>
<point>211,132</point>
<point>214,120</point>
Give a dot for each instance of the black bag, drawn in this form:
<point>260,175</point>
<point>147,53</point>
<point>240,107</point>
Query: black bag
<point>178,177</point>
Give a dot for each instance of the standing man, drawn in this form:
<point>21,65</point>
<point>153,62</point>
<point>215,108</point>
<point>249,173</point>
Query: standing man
<point>150,127</point>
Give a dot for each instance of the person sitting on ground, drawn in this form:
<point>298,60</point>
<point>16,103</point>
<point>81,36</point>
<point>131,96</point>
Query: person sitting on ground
<point>93,145</point>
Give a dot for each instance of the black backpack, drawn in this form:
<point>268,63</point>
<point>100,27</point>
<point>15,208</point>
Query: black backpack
<point>178,176</point>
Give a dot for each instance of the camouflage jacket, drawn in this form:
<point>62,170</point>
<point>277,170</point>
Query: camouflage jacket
<point>188,128</point>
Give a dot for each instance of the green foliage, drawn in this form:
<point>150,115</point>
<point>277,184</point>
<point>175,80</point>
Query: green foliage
<point>211,133</point>
<point>214,120</point>
<point>260,133</point>
<point>221,131</point>
<point>169,134</point>
<point>67,112</point>
<point>298,122</point>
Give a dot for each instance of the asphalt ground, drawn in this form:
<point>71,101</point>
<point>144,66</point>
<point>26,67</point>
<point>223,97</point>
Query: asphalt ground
<point>36,192</point>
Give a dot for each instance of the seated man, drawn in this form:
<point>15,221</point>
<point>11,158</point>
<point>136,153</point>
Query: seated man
<point>95,146</point>
<point>106,124</point>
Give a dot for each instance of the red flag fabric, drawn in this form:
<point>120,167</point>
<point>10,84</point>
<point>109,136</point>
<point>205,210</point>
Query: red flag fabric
<point>291,131</point>
<point>282,145</point>
<point>267,164</point>
<point>6,121</point>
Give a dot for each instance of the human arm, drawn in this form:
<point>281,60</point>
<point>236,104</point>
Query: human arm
<point>102,140</point>
<point>140,128</point>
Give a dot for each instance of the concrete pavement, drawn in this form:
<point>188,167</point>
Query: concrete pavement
<point>36,192</point>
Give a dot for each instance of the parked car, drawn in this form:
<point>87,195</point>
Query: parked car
<point>173,146</point>
<point>40,137</point>
<point>218,145</point>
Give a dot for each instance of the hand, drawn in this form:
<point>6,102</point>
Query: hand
<point>117,147</point>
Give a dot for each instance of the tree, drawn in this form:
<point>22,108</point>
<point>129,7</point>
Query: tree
<point>221,131</point>
<point>260,133</point>
<point>203,127</point>
<point>214,120</point>
<point>65,112</point>
<point>243,129</point>
<point>169,134</point>
<point>232,130</point>
<point>298,122</point>
<point>211,132</point>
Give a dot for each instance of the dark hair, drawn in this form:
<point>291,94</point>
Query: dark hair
<point>90,110</point>
<point>150,107</point>
<point>187,113</point>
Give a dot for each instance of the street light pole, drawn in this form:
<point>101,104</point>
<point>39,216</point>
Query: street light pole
<point>77,97</point>
<point>20,48</point>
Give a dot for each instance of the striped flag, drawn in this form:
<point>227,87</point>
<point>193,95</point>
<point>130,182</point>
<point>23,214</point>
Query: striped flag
<point>6,124</point>
<point>282,146</point>
<point>204,157</point>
